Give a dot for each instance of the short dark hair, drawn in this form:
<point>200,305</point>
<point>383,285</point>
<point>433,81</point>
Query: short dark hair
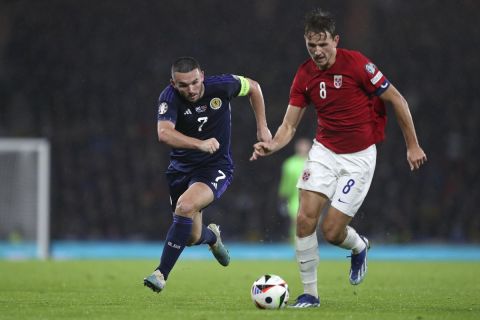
<point>320,21</point>
<point>185,64</point>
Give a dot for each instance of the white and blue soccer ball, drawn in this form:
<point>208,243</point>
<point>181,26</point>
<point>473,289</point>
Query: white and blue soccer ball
<point>270,292</point>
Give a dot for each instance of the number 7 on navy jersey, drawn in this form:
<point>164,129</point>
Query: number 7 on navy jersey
<point>202,121</point>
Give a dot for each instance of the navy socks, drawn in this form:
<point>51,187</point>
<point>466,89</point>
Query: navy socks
<point>177,237</point>
<point>207,237</point>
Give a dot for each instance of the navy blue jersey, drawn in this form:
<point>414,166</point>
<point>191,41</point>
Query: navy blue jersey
<point>209,117</point>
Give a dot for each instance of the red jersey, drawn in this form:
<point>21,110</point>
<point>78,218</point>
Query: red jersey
<point>350,115</point>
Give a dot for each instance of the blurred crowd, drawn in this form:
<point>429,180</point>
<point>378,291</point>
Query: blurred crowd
<point>86,75</point>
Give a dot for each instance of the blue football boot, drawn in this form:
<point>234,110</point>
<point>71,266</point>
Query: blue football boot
<point>358,268</point>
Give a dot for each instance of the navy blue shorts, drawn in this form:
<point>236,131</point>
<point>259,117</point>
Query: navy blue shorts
<point>218,179</point>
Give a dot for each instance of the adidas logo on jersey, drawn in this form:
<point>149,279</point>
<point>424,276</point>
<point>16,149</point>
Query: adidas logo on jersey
<point>187,112</point>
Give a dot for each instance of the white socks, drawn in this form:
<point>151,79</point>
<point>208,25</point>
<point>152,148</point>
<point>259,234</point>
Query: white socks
<point>306,250</point>
<point>353,241</point>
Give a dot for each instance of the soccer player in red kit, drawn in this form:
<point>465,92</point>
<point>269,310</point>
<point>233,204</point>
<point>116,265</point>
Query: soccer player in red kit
<point>348,92</point>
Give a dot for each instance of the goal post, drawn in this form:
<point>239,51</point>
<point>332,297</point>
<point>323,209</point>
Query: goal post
<point>25,191</point>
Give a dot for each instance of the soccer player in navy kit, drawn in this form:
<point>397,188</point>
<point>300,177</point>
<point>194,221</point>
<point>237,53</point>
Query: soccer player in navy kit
<point>348,92</point>
<point>194,119</point>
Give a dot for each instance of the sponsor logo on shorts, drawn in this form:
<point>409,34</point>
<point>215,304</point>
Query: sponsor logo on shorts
<point>306,174</point>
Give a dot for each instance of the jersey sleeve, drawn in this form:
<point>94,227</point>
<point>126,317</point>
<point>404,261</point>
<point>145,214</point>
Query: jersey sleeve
<point>298,95</point>
<point>227,85</point>
<point>372,79</point>
<point>244,85</point>
<point>166,108</point>
<point>375,83</point>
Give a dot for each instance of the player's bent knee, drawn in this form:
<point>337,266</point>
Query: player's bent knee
<point>305,225</point>
<point>185,208</point>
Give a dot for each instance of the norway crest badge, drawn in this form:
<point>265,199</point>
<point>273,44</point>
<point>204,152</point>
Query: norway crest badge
<point>337,81</point>
<point>306,174</point>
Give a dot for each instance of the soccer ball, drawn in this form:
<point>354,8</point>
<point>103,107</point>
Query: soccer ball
<point>270,292</point>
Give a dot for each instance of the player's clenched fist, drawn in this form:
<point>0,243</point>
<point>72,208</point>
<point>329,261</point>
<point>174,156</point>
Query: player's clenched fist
<point>210,145</point>
<point>261,149</point>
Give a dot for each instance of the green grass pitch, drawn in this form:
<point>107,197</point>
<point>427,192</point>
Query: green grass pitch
<point>105,289</point>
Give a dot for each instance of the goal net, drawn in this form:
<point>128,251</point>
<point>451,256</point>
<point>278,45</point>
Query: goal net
<point>25,192</point>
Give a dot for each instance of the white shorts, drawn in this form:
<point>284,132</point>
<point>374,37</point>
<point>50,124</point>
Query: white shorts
<point>344,178</point>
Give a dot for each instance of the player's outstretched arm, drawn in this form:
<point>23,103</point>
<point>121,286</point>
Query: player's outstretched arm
<point>415,154</point>
<point>258,105</point>
<point>283,136</point>
<point>168,135</point>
